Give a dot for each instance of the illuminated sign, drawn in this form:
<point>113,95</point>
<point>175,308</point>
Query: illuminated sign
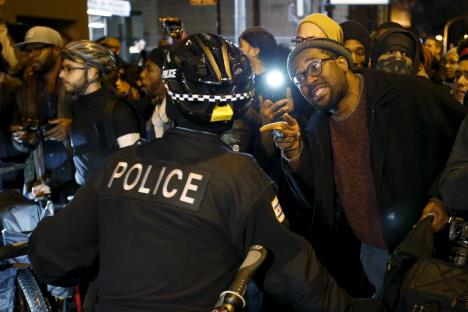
<point>109,7</point>
<point>203,2</point>
<point>358,2</point>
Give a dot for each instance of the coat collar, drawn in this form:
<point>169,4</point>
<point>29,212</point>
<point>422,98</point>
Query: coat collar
<point>380,87</point>
<point>380,90</point>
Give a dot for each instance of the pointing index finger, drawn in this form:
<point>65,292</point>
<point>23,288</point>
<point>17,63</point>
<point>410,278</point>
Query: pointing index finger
<point>290,120</point>
<point>279,125</point>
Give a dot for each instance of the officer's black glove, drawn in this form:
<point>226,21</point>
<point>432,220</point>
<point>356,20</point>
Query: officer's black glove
<point>367,305</point>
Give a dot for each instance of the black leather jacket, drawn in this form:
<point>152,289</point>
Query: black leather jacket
<point>412,126</point>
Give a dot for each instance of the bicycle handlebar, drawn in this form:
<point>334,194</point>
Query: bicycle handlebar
<point>232,300</point>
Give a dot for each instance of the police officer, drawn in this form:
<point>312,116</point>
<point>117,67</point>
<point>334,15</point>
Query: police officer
<point>169,222</point>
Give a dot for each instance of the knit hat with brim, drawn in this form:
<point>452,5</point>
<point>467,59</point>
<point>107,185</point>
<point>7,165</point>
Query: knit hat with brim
<point>331,28</point>
<point>157,56</point>
<point>354,30</point>
<point>322,44</point>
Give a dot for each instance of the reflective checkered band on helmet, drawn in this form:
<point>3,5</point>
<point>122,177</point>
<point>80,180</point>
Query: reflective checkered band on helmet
<point>210,98</point>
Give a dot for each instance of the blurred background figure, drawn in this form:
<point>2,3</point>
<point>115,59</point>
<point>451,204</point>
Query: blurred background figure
<point>11,62</point>
<point>124,78</point>
<point>127,81</point>
<point>270,83</point>
<point>449,63</point>
<point>260,47</point>
<point>9,53</point>
<point>435,46</point>
<point>357,41</point>
<point>460,85</point>
<point>432,60</point>
<point>111,43</point>
<point>174,30</point>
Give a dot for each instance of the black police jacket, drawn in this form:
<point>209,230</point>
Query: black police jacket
<point>170,222</point>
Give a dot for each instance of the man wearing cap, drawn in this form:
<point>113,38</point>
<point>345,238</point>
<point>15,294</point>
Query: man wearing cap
<point>318,25</point>
<point>111,43</point>
<point>372,152</point>
<point>42,120</point>
<point>153,109</point>
<point>357,42</point>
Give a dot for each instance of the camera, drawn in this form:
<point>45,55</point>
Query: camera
<point>272,85</point>
<point>458,234</point>
<point>35,129</point>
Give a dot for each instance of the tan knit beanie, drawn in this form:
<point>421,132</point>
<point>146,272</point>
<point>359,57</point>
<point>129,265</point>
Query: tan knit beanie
<point>331,29</point>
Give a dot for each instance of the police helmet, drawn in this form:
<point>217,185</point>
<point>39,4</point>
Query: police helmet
<point>90,53</point>
<point>209,80</point>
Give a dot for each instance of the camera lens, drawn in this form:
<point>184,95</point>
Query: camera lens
<point>31,139</point>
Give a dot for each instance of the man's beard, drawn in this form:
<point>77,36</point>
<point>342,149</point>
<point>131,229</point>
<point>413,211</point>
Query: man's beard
<point>154,93</point>
<point>74,90</point>
<point>335,96</point>
<point>45,67</point>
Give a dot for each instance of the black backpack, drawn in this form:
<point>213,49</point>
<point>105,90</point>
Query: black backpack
<point>415,281</point>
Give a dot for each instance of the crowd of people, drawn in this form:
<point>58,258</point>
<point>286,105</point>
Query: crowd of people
<point>355,134</point>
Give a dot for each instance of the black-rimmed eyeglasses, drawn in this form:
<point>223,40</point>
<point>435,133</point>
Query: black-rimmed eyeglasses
<point>314,69</point>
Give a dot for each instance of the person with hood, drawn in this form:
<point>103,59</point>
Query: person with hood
<point>397,50</point>
<point>357,42</point>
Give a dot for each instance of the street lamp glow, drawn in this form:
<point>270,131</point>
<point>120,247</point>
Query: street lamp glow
<point>439,37</point>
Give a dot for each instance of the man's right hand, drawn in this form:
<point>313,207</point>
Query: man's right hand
<point>18,133</point>
<point>40,190</point>
<point>60,129</point>
<point>270,111</point>
<point>287,136</point>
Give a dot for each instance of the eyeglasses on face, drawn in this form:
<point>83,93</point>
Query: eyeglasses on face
<point>314,69</point>
<point>298,40</point>
<point>68,69</point>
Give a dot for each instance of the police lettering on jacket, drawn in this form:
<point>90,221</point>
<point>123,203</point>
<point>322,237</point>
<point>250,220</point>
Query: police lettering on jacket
<point>164,182</point>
